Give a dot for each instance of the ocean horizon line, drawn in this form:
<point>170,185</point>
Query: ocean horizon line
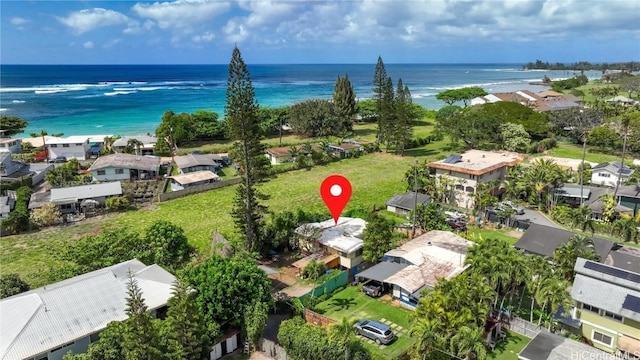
<point>275,64</point>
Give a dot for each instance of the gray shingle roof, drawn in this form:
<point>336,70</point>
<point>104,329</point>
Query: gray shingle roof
<point>127,161</point>
<point>544,240</point>
<point>190,160</point>
<point>406,201</point>
<point>47,317</point>
<point>380,272</point>
<point>547,346</point>
<point>614,168</point>
<point>87,191</point>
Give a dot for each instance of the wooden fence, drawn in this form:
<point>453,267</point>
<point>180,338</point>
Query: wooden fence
<point>197,189</point>
<point>316,319</point>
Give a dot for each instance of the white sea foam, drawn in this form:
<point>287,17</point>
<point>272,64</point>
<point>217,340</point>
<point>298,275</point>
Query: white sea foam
<point>49,91</point>
<point>3,109</point>
<point>149,88</point>
<point>119,93</point>
<point>18,101</point>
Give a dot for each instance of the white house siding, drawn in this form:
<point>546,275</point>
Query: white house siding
<point>73,151</point>
<point>13,145</point>
<point>604,178</point>
<point>110,174</point>
<point>469,182</point>
<point>391,208</point>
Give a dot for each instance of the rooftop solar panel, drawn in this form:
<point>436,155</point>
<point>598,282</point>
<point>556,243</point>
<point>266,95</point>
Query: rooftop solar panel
<point>631,303</point>
<point>452,159</point>
<point>619,273</point>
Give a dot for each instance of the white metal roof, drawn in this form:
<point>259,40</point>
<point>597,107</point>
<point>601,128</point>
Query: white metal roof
<point>47,317</point>
<point>526,96</point>
<point>344,236</point>
<point>193,177</point>
<point>87,191</point>
<point>78,139</point>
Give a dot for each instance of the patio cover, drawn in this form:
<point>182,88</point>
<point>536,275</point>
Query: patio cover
<point>381,271</point>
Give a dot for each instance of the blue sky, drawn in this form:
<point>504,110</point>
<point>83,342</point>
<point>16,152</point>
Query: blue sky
<point>280,32</point>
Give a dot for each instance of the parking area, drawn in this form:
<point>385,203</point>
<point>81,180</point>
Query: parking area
<point>353,304</point>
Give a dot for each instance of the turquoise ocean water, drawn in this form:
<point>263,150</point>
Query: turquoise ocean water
<point>130,99</point>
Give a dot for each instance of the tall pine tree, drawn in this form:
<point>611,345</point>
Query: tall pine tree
<point>403,129</point>
<point>141,336</point>
<point>243,126</point>
<point>388,113</point>
<point>185,331</point>
<point>379,82</point>
<point>344,100</point>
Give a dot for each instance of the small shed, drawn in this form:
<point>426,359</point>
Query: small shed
<point>403,204</point>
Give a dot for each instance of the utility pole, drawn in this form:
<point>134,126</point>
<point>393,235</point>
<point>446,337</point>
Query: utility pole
<point>415,198</point>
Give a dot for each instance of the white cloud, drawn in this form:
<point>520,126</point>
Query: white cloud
<point>18,21</point>
<point>181,15</point>
<point>88,45</point>
<point>204,37</point>
<point>90,19</point>
<point>235,32</point>
<point>111,43</point>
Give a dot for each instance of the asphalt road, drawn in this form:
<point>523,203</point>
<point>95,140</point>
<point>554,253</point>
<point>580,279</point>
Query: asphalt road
<point>536,218</point>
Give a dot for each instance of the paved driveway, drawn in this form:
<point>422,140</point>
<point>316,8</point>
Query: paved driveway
<point>536,217</point>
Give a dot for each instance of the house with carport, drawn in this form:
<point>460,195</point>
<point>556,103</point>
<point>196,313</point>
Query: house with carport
<point>50,321</point>
<point>196,178</point>
<point>125,167</point>
<point>416,266</point>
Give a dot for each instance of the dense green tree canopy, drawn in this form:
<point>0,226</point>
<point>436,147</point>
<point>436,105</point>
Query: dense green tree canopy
<point>177,127</point>
<point>316,118</point>
<point>272,119</point>
<point>11,284</point>
<point>227,287</point>
<point>11,125</point>
<point>367,110</point>
<point>465,95</point>
<point>378,238</point>
<point>207,125</point>
<point>168,244</point>
<point>535,123</point>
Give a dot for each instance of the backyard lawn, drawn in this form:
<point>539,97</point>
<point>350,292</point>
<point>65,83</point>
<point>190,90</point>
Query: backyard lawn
<point>509,348</point>
<point>573,151</point>
<point>354,304</point>
<point>501,234</point>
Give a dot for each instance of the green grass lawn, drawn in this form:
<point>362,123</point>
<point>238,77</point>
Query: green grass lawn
<point>354,304</point>
<point>573,151</point>
<point>374,178</point>
<point>501,234</point>
<point>509,348</point>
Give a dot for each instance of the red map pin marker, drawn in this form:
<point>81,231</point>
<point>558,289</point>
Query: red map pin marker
<point>336,192</point>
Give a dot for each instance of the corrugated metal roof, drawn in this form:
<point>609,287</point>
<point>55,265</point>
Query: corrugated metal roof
<point>45,318</point>
<point>343,237</point>
<point>87,191</point>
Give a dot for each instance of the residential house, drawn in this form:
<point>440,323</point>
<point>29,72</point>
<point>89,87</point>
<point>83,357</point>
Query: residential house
<point>196,178</point>
<point>548,346</point>
<point>72,147</point>
<point>11,170</point>
<point>7,166</point>
<point>542,101</point>
<point>340,240</point>
<point>125,167</point>
<point>279,155</point>
<point>148,143</point>
<point>70,199</point>
<point>607,306</point>
<point>621,100</point>
<point>346,149</point>
<point>628,198</point>
<point>606,174</point>
<point>198,162</point>
<point>14,146</point>
<point>403,204</point>
<point>7,203</point>
<point>544,240</point>
<point>48,322</point>
<point>417,265</point>
<point>464,172</point>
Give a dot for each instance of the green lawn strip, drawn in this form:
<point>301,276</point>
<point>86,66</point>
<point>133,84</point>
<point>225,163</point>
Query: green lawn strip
<point>509,348</point>
<point>500,234</point>
<point>374,178</point>
<point>354,304</point>
<point>573,151</point>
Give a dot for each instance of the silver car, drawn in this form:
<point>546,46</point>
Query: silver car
<point>508,204</point>
<point>378,332</point>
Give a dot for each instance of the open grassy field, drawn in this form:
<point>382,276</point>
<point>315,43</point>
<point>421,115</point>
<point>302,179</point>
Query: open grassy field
<point>567,150</point>
<point>374,178</point>
<point>354,305</point>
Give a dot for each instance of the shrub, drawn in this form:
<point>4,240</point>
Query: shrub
<point>46,215</point>
<point>18,220</point>
<point>11,284</point>
<point>313,270</point>
<point>117,203</point>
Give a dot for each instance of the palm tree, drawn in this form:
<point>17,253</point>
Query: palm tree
<point>294,152</point>
<point>539,270</point>
<point>134,145</point>
<point>543,177</point>
<point>582,219</point>
<point>108,143</point>
<point>578,246</point>
<point>553,292</point>
<point>306,148</point>
<point>469,343</point>
<point>341,333</point>
<point>627,228</point>
<point>625,121</point>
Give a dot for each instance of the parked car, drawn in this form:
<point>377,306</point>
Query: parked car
<point>372,289</point>
<point>378,332</point>
<point>59,159</point>
<point>509,204</point>
<point>457,224</point>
